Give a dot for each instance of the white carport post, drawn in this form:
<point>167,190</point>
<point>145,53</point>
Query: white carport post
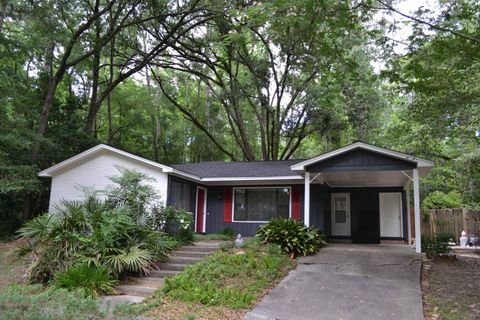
<point>306,200</point>
<point>409,220</point>
<point>416,205</point>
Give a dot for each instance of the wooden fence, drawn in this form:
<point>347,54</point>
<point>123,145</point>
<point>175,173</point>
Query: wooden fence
<point>451,221</point>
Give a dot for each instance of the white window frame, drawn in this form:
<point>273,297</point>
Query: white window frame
<point>266,187</point>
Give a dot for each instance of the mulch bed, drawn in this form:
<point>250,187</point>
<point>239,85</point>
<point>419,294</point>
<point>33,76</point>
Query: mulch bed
<point>451,288</point>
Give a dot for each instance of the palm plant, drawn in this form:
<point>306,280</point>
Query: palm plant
<point>90,232</point>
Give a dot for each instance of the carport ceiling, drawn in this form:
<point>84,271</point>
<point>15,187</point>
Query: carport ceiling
<point>364,178</point>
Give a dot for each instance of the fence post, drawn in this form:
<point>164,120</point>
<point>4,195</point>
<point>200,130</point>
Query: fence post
<point>432,222</point>
<point>465,220</point>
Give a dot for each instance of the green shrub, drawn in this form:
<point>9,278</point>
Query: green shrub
<point>178,223</point>
<point>292,236</point>
<point>436,245</point>
<point>94,281</point>
<point>114,234</point>
<point>440,200</point>
<point>228,232</point>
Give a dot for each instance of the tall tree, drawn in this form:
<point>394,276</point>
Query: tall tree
<point>262,60</point>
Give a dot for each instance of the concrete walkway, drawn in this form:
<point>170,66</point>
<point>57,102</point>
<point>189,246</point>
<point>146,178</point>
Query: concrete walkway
<point>348,281</point>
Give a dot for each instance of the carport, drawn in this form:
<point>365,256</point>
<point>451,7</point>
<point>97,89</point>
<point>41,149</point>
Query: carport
<point>361,192</point>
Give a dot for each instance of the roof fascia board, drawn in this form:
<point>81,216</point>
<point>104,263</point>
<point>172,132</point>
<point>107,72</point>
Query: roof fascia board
<point>419,161</point>
<point>222,179</point>
<point>50,172</point>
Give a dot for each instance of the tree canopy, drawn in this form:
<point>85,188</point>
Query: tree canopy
<point>198,80</point>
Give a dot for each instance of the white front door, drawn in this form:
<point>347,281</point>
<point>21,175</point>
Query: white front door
<point>391,214</point>
<point>340,214</point>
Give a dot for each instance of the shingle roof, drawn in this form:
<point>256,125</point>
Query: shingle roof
<point>214,169</point>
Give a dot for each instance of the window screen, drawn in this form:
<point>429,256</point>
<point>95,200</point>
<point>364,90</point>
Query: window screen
<point>261,204</point>
<point>181,195</point>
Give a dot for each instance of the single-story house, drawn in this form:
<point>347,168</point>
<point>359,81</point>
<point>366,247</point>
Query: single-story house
<point>356,192</point>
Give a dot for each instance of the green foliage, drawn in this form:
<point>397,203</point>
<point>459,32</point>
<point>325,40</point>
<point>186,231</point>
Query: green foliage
<point>228,232</point>
<point>33,302</point>
<point>212,236</point>
<point>105,234</point>
<point>292,236</point>
<point>93,280</point>
<point>436,245</point>
<point>132,190</point>
<point>230,278</point>
<point>440,200</point>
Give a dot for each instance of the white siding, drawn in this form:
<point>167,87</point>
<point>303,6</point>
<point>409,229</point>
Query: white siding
<point>95,172</point>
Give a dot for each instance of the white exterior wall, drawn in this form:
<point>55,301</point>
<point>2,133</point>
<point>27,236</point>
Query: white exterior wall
<point>95,172</point>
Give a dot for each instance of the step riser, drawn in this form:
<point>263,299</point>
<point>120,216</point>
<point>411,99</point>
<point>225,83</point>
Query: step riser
<point>136,291</point>
<point>164,273</point>
<point>197,249</point>
<point>182,260</point>
<point>186,254</point>
<point>172,266</point>
<point>149,282</point>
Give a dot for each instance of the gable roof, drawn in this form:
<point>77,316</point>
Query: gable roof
<point>97,150</point>
<point>218,171</point>
<point>419,162</point>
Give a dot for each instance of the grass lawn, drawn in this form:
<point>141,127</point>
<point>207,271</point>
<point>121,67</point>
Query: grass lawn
<point>222,286</point>
<point>451,289</point>
<point>21,301</point>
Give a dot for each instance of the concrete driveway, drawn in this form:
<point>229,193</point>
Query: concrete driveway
<point>348,281</point>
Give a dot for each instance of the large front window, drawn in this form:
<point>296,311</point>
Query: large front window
<point>261,204</point>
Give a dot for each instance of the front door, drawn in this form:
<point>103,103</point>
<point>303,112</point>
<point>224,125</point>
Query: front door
<point>201,208</point>
<point>391,214</point>
<point>341,214</point>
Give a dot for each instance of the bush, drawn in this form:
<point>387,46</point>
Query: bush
<point>440,200</point>
<point>436,245</point>
<point>228,232</point>
<point>109,234</point>
<point>292,236</point>
<point>94,281</point>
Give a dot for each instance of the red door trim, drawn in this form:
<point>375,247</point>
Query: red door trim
<point>200,215</point>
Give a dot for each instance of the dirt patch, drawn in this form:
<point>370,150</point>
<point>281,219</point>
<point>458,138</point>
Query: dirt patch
<point>451,288</point>
<point>12,268</point>
<point>174,309</point>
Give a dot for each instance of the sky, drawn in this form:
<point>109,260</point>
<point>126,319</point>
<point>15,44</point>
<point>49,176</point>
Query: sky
<point>403,30</point>
<point>408,7</point>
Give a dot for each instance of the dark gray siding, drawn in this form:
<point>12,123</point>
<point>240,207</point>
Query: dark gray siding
<point>365,211</point>
<point>215,204</point>
<point>360,159</point>
<point>319,206</point>
<point>193,194</point>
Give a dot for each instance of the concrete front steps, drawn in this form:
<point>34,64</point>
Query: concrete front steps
<point>136,289</point>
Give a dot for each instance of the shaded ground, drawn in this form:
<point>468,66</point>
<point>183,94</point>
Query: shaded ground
<point>348,281</point>
<point>451,289</point>
<point>12,269</point>
<point>175,309</point>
